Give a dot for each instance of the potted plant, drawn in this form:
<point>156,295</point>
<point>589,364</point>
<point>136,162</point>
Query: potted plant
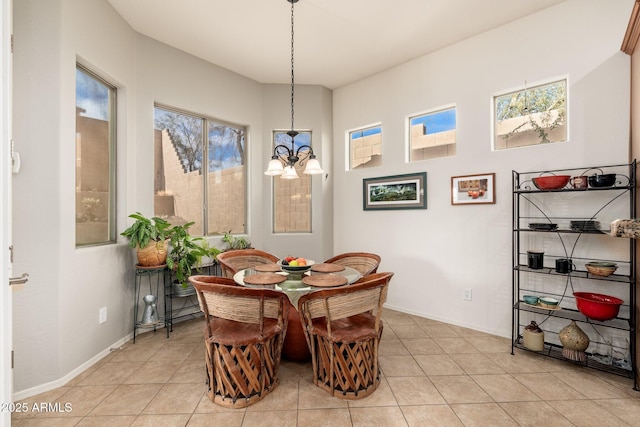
<point>149,236</point>
<point>186,253</point>
<point>234,242</point>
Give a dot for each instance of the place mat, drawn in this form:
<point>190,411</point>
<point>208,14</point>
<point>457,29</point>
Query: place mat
<point>269,268</point>
<point>328,280</point>
<point>327,267</point>
<point>264,279</point>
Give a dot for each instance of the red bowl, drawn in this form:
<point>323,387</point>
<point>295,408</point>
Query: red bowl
<point>597,306</point>
<point>553,182</point>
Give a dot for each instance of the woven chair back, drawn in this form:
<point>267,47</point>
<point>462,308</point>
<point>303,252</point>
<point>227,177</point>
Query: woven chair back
<point>364,262</point>
<point>236,260</point>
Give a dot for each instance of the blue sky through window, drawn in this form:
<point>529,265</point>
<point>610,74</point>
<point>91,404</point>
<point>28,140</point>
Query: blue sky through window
<point>92,96</point>
<point>440,121</point>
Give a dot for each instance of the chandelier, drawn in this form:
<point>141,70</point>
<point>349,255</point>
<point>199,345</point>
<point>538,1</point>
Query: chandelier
<point>284,158</point>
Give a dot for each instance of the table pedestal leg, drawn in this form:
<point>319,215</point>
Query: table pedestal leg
<point>295,347</point>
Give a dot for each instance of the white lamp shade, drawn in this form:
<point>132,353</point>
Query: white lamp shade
<point>313,167</point>
<point>289,173</point>
<point>275,168</point>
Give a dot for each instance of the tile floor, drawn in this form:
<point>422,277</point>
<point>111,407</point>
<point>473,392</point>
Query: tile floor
<point>434,374</point>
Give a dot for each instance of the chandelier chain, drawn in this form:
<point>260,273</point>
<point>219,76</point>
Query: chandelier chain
<point>292,78</point>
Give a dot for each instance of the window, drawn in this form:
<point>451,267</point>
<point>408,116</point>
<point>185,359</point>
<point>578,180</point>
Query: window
<point>432,134</point>
<point>292,197</point>
<point>200,172</point>
<point>365,148</point>
<point>95,159</point>
<point>532,116</point>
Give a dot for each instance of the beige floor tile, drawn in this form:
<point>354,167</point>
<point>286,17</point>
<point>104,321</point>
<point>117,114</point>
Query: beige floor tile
<point>47,422</point>
<point>467,332</point>
<point>383,396</point>
<point>324,418</point>
<point>26,406</point>
<point>455,345</point>
<point>379,416</point>
<point>176,399</point>
<point>190,372</point>
<point>127,399</point>
<point>440,330</point>
<point>430,415</point>
<point>293,371</point>
<point>112,373</point>
<point>460,389</point>
<point>438,364</point>
<point>489,344</point>
<point>80,400</point>
<point>392,347</point>
<point>504,388</point>
<point>399,366</point>
<point>154,372</point>
<point>409,331</point>
<point>224,419</point>
<point>270,419</point>
<point>476,363</point>
<point>591,386</point>
<point>421,346</point>
<point>283,398</point>
<point>535,414</point>
<point>396,318</point>
<point>206,406</point>
<point>313,397</point>
<point>388,333</point>
<point>483,414</point>
<point>548,387</point>
<point>173,420</point>
<point>175,351</point>
<point>109,420</point>
<point>141,351</point>
<point>584,413</point>
<point>518,363</point>
<point>415,391</point>
<point>423,321</point>
<point>626,409</point>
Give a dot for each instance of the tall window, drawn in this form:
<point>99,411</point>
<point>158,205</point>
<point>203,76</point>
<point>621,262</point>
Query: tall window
<point>365,147</point>
<point>200,172</point>
<point>432,134</point>
<point>292,197</point>
<point>531,116</point>
<point>95,159</point>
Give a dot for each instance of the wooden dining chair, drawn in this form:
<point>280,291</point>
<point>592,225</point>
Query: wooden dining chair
<point>244,333</point>
<point>364,262</point>
<point>343,329</point>
<point>239,259</point>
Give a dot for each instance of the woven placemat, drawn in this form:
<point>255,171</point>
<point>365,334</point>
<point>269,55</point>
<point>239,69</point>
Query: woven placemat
<point>325,280</point>
<point>264,279</point>
<point>268,268</point>
<point>327,267</point>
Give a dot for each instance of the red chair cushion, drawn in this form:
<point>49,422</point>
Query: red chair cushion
<point>230,332</point>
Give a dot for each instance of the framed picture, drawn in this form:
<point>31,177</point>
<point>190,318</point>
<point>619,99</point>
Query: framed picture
<point>395,192</point>
<point>473,189</point>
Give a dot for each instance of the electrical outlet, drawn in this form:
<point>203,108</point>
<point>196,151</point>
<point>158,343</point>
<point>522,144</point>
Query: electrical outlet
<point>102,316</point>
<point>467,294</point>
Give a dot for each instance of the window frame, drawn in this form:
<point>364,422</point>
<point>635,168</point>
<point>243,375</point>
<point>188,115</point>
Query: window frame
<point>349,140</point>
<point>113,143</point>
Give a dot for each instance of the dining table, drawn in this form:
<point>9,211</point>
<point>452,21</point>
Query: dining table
<point>294,285</point>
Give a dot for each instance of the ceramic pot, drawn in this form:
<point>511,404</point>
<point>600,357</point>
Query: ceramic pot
<point>574,342</point>
<point>533,340</point>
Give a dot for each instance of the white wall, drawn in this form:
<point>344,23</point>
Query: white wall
<point>436,253</point>
<point>56,329</point>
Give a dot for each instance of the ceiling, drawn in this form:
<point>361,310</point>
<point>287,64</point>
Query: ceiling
<point>336,41</point>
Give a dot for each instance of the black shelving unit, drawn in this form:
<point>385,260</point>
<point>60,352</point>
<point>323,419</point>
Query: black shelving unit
<point>612,343</point>
<point>182,303</point>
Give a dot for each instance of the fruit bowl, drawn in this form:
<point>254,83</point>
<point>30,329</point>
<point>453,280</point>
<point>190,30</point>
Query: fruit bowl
<point>597,306</point>
<point>553,182</point>
<point>296,268</point>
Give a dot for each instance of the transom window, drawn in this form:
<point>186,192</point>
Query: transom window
<point>531,116</point>
<point>432,134</point>
<point>95,159</point>
<point>365,147</point>
<point>200,172</point>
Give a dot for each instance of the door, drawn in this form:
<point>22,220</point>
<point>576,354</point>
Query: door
<point>6,336</point>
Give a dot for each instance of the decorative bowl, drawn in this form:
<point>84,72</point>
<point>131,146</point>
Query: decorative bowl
<point>548,302</point>
<point>296,268</point>
<point>530,299</point>
<point>597,306</point>
<point>553,182</point>
<point>602,181</point>
<point>603,269</point>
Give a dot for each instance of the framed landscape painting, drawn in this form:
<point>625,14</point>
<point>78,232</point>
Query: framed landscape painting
<point>395,192</point>
<point>473,189</point>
